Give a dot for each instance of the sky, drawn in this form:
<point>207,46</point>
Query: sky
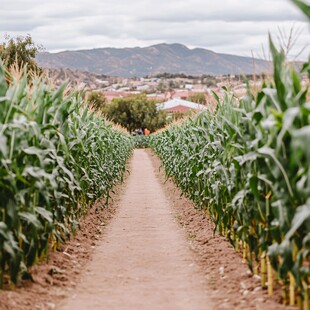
<point>226,26</point>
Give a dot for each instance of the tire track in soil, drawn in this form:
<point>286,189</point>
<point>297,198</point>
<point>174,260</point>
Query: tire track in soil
<point>144,260</point>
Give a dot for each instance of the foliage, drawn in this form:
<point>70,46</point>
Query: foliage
<point>141,142</point>
<point>56,158</point>
<point>20,51</point>
<point>180,115</point>
<point>135,112</point>
<point>248,164</point>
<point>197,98</point>
<point>97,100</point>
<point>167,75</point>
<point>303,7</point>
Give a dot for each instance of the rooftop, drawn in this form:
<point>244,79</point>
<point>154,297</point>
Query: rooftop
<point>173,103</point>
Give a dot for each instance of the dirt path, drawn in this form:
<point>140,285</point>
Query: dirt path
<point>144,260</point>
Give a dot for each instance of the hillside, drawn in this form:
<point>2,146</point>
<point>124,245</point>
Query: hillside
<point>172,58</point>
<point>78,78</point>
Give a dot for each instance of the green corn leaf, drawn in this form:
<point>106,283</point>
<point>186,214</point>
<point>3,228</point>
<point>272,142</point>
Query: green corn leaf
<point>302,139</point>
<point>8,248</point>
<point>30,218</point>
<point>305,8</point>
<point>267,151</point>
<point>273,254</point>
<point>301,216</point>
<point>47,215</point>
<point>3,230</point>
<point>247,157</point>
<point>272,95</point>
<point>3,145</point>
<point>217,98</point>
<point>288,119</point>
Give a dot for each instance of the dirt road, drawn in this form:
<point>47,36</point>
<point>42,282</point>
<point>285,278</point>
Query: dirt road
<point>144,260</point>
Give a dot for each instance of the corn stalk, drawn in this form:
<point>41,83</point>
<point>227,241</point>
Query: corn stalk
<point>56,158</point>
<point>248,163</point>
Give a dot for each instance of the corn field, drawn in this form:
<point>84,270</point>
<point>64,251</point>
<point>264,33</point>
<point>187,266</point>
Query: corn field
<point>56,159</point>
<point>141,142</point>
<point>247,164</point>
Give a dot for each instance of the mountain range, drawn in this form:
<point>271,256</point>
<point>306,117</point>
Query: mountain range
<point>152,60</point>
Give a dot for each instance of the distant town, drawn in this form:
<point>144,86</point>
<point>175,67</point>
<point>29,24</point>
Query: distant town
<point>161,87</point>
<point>162,72</point>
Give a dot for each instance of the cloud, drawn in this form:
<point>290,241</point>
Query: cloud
<point>224,10</point>
<point>228,26</point>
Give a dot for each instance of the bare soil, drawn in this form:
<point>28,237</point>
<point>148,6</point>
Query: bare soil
<point>158,252</point>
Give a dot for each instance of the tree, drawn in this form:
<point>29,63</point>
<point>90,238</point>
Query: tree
<point>97,100</point>
<point>135,112</point>
<point>162,87</point>
<point>197,98</point>
<point>20,51</point>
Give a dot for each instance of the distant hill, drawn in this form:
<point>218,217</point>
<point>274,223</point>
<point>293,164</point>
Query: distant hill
<point>160,58</point>
<point>77,78</point>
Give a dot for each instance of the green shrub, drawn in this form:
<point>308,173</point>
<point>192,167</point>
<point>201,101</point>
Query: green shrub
<point>141,142</point>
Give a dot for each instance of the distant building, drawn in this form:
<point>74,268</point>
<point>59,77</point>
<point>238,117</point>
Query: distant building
<point>180,105</point>
<point>157,97</point>
<point>143,87</point>
<point>110,95</point>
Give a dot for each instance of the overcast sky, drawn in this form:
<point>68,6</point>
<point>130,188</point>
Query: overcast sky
<point>227,26</point>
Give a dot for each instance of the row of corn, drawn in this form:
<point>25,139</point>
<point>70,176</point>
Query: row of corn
<point>56,158</point>
<point>141,142</point>
<point>248,165</point>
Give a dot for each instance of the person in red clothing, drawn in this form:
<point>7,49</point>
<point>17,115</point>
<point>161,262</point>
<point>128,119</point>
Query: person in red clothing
<point>146,132</point>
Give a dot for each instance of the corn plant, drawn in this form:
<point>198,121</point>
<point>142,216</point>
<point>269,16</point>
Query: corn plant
<point>56,158</point>
<point>141,142</point>
<point>248,165</point>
